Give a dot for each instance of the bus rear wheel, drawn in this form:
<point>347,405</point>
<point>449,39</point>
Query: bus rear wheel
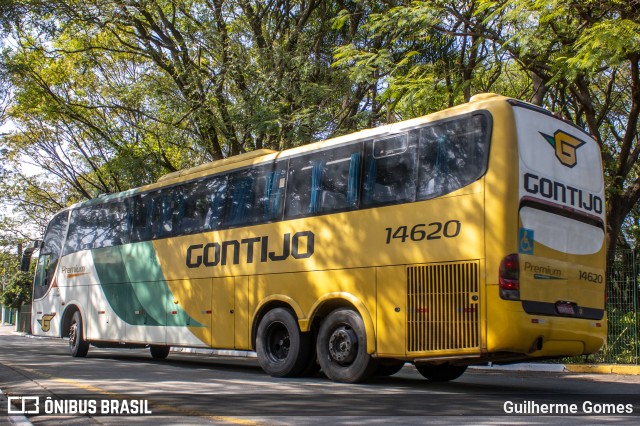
<point>342,347</point>
<point>283,350</point>
<point>159,351</point>
<point>388,367</point>
<point>78,347</point>
<point>442,372</point>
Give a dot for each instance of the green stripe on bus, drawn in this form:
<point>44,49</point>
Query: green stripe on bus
<point>134,285</point>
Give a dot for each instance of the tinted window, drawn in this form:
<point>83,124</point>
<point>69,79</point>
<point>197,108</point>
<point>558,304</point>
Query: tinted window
<point>155,214</point>
<point>390,170</point>
<point>50,254</point>
<point>203,205</point>
<point>452,154</point>
<point>97,226</point>
<point>324,182</point>
<point>255,195</point>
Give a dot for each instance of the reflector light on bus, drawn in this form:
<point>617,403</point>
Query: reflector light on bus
<point>509,277</point>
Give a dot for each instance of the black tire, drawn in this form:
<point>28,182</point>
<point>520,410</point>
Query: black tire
<point>283,350</point>
<point>442,372</point>
<point>388,367</point>
<point>159,351</point>
<point>342,347</point>
<point>78,346</point>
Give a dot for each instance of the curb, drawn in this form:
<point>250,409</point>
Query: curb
<point>548,368</point>
<point>216,352</point>
<point>633,370</point>
<point>14,419</point>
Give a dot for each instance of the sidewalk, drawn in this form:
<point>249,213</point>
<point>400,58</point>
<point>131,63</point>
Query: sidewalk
<point>633,370</point>
<point>7,330</point>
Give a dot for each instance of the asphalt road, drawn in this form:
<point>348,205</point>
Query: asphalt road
<point>197,389</point>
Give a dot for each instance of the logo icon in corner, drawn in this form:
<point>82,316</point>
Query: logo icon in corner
<point>565,146</point>
<point>23,405</point>
<point>45,322</point>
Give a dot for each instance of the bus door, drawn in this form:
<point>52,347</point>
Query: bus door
<point>45,309</point>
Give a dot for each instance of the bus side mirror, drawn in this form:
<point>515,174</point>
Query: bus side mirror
<point>26,254</point>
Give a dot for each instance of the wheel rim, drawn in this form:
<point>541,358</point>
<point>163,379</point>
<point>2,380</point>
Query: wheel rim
<point>278,342</point>
<point>73,334</point>
<point>343,345</point>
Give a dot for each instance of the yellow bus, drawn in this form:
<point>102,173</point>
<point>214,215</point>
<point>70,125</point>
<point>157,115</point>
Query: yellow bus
<point>472,235</point>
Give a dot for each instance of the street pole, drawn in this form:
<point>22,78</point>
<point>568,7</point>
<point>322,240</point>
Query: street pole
<point>4,280</point>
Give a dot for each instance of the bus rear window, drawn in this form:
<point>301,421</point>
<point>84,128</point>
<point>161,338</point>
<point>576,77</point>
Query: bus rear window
<point>452,154</point>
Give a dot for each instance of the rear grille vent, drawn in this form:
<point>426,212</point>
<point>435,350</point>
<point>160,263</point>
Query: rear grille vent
<point>442,307</point>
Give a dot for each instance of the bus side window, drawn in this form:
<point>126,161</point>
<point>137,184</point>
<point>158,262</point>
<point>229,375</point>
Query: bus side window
<point>141,205</point>
<point>97,226</point>
<point>270,194</point>
<point>324,182</point>
<point>256,195</point>
<point>108,225</point>
<point>82,230</point>
<point>162,212</point>
<point>390,170</point>
<point>49,254</point>
<point>192,210</point>
<point>216,190</point>
<point>452,154</point>
<point>298,187</point>
<point>341,181</point>
<point>201,206</point>
<point>240,198</point>
<point>76,232</point>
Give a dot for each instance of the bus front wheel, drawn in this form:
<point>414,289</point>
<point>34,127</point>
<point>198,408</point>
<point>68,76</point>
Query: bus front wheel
<point>342,347</point>
<point>77,345</point>
<point>442,372</point>
<point>283,350</point>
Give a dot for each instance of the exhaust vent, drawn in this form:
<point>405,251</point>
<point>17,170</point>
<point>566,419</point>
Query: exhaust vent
<point>443,307</point>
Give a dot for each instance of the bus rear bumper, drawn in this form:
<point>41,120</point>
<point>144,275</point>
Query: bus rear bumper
<point>513,330</point>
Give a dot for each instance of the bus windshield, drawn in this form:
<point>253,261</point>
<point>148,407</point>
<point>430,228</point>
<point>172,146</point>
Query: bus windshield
<point>49,254</point>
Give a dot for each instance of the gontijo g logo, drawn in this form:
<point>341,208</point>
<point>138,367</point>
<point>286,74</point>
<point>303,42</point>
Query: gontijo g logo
<point>45,322</point>
<point>565,146</point>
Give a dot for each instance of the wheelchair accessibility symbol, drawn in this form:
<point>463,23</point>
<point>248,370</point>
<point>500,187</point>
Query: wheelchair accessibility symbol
<point>525,241</point>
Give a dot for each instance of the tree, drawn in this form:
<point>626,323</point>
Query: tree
<point>578,58</point>
<point>107,95</point>
<point>17,291</point>
<point>583,57</point>
<point>111,95</point>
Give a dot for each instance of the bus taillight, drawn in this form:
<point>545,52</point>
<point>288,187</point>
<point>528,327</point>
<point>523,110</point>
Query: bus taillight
<point>509,278</point>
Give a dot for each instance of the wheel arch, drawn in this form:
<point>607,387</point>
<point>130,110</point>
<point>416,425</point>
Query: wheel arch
<point>272,302</point>
<point>65,321</point>
<point>332,301</point>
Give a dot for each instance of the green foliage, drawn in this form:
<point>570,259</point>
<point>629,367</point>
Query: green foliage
<point>17,291</point>
<point>607,43</point>
<point>109,95</point>
<point>623,345</point>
